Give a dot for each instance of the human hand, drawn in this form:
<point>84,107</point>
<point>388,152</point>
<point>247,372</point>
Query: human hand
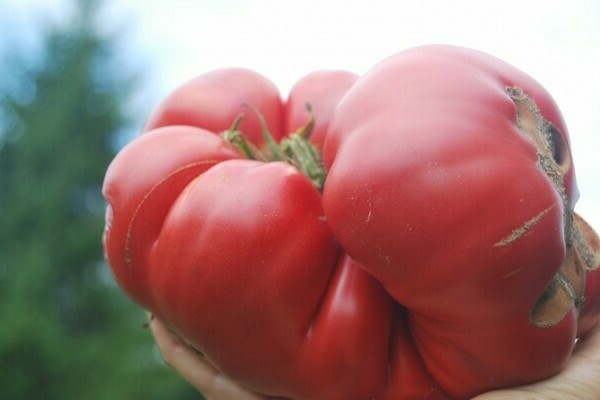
<point>195,369</point>
<point>580,380</point>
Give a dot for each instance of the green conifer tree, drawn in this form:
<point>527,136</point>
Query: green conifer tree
<point>66,330</point>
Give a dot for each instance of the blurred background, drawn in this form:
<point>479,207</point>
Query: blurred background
<point>77,79</point>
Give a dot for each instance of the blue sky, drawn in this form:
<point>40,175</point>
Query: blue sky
<point>557,42</point>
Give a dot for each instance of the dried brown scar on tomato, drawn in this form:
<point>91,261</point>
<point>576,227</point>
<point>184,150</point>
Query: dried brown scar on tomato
<point>566,289</point>
<point>564,292</point>
<point>523,229</point>
<point>587,243</point>
<point>552,151</point>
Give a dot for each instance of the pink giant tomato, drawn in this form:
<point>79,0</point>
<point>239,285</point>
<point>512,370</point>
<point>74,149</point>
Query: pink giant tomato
<point>432,252</point>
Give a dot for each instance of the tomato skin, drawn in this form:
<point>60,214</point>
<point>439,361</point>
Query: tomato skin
<point>322,90</point>
<point>295,292</point>
<point>194,225</point>
<point>413,275</point>
<point>140,191</point>
<point>213,100</point>
<point>226,221</point>
<point>426,177</point>
<point>403,71</point>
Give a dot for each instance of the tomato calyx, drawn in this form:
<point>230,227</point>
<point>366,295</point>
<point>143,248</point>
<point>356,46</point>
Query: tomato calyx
<point>295,148</point>
<point>237,139</point>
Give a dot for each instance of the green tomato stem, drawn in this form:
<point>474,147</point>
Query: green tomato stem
<point>276,154</point>
<point>237,139</point>
<point>295,149</point>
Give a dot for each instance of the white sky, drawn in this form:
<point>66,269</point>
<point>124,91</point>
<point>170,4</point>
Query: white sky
<point>557,42</point>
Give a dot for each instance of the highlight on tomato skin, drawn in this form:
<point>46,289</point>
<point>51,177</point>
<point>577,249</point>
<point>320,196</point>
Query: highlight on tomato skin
<point>406,234</point>
<point>322,97</point>
<point>213,100</point>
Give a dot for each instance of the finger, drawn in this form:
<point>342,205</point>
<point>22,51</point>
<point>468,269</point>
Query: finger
<point>195,369</point>
<point>584,366</point>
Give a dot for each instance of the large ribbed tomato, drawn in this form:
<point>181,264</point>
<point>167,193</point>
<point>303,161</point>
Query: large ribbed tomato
<point>434,255</point>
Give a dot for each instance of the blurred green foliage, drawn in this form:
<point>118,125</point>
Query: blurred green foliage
<point>66,330</point>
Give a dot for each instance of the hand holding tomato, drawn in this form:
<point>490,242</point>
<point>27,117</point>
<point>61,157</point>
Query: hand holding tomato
<point>580,380</point>
<point>413,236</point>
<point>195,369</point>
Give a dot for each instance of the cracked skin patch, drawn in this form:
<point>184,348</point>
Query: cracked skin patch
<point>566,289</point>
